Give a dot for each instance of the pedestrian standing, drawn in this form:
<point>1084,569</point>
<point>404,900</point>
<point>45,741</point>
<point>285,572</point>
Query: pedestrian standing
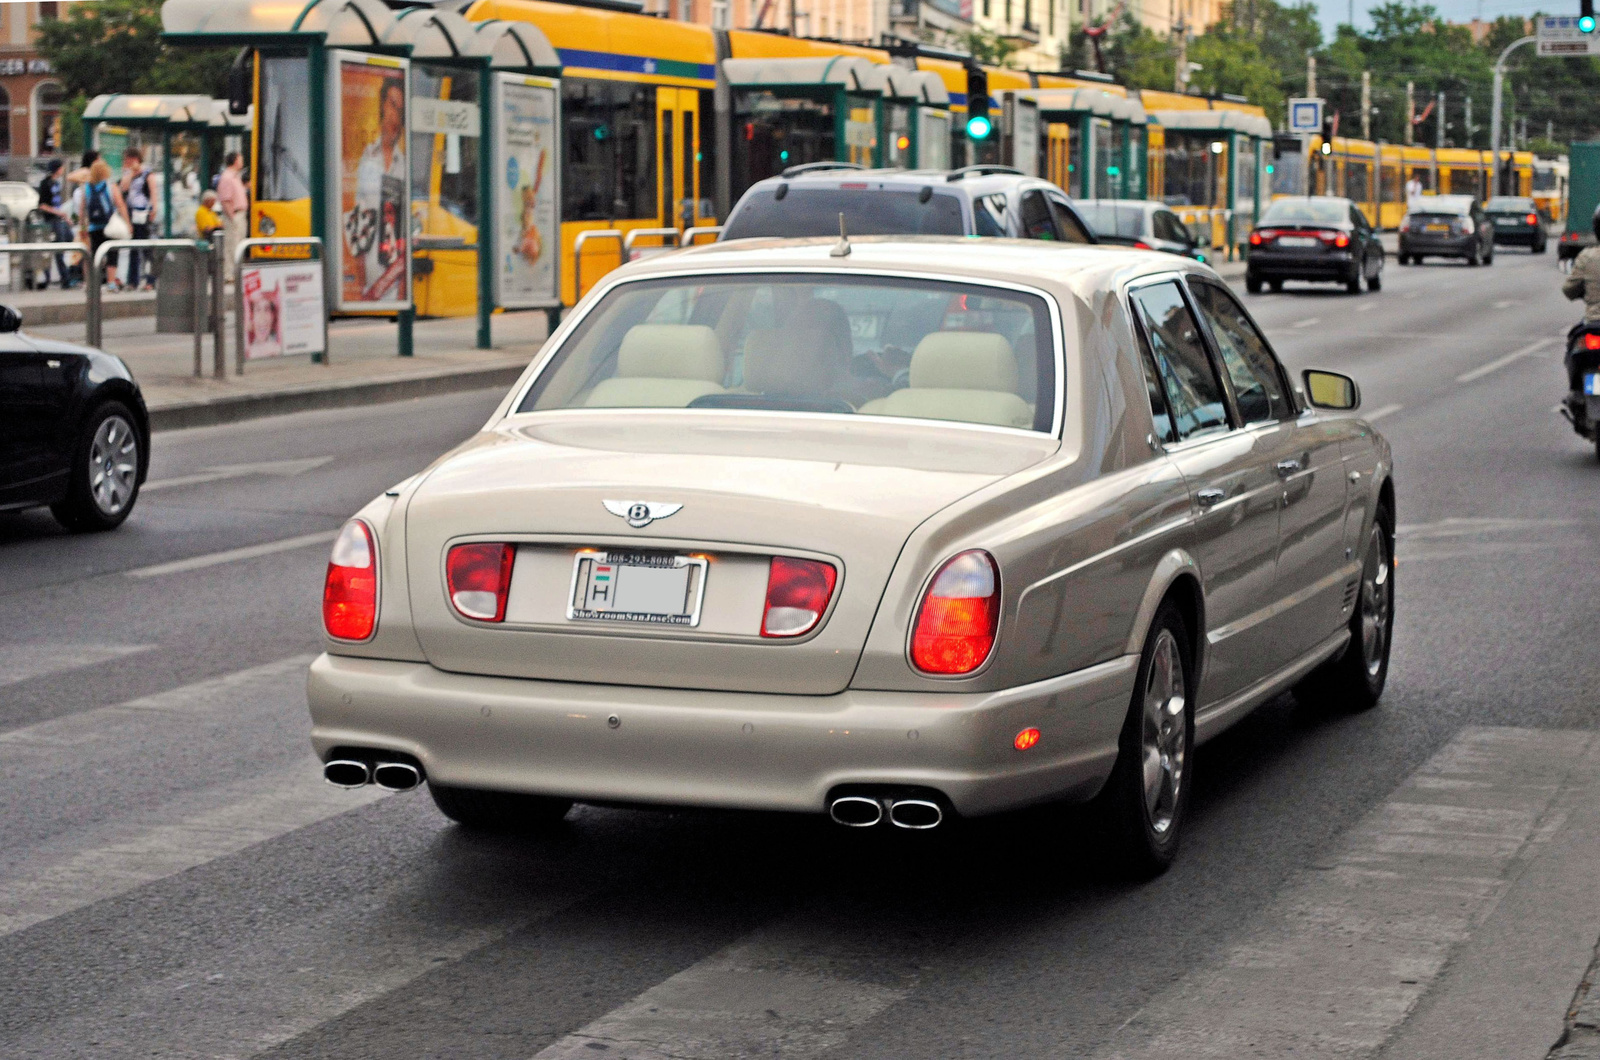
<point>102,201</point>
<point>52,203</point>
<point>235,203</point>
<point>1414,187</point>
<point>137,192</point>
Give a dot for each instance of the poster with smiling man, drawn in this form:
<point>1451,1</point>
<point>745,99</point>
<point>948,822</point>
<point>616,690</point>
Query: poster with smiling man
<point>373,172</point>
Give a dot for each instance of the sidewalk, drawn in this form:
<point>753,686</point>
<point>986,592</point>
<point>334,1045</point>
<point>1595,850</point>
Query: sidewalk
<point>55,306</point>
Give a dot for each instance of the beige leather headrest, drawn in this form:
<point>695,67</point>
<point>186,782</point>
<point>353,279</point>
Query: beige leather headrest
<point>671,351</point>
<point>964,360</point>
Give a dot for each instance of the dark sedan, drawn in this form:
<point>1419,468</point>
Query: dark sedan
<point>1139,223</point>
<point>74,433</point>
<point>1517,222</point>
<point>1319,237</point>
<point>1446,226</point>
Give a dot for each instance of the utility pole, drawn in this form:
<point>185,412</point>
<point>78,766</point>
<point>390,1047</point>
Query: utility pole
<point>1438,123</point>
<point>1366,104</point>
<point>1411,111</point>
<point>1494,109</point>
<point>1549,129</point>
<point>1467,119</point>
<point>1311,76</point>
<point>1180,68</point>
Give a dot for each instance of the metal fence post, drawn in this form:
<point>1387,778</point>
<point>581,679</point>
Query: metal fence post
<point>238,308</point>
<point>197,278</point>
<point>91,282</point>
<point>219,304</point>
<point>406,318</point>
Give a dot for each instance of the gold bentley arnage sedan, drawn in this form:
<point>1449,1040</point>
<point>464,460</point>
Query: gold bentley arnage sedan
<point>893,530</point>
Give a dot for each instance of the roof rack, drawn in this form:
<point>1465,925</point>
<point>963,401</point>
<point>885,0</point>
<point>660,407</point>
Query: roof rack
<point>982,171</point>
<point>818,167</point>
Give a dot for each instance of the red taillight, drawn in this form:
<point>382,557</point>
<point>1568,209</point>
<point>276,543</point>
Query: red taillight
<point>1591,342</point>
<point>1139,244</point>
<point>798,591</point>
<point>956,623</point>
<point>479,577</point>
<point>350,592</point>
<point>1341,240</point>
<point>1533,218</point>
<point>1255,239</point>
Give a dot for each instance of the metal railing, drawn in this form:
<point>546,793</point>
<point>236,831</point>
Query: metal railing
<point>93,322</point>
<point>577,253</point>
<point>700,230</point>
<point>680,238</point>
<point>239,252</point>
<point>630,253</point>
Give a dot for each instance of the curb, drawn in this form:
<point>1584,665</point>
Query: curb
<point>50,313</point>
<point>231,408</point>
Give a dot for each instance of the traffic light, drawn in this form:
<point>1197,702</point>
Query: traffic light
<point>1327,134</point>
<point>1586,15</point>
<point>978,124</point>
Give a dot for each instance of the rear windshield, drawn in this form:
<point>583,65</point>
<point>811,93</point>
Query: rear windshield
<point>803,212</point>
<point>1509,204</point>
<point>1115,220</point>
<point>1307,212</point>
<point>1445,204</point>
<point>784,343</point>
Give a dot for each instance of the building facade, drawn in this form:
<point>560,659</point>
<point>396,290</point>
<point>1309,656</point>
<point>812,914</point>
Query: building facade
<point>30,93</point>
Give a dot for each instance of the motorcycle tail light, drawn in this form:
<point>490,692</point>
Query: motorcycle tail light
<point>479,579</point>
<point>350,590</point>
<point>798,591</point>
<point>1591,342</point>
<point>960,612</point>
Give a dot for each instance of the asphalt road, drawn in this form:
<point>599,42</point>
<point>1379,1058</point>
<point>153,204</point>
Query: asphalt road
<point>176,881</point>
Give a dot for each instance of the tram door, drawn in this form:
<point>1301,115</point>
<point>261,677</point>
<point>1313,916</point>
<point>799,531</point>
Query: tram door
<point>678,149</point>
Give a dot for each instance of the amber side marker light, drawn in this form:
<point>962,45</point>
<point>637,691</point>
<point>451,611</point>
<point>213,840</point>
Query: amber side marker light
<point>1026,739</point>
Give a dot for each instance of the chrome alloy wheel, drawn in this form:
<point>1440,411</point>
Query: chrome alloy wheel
<point>113,464</point>
<point>1163,735</point>
<point>1375,590</point>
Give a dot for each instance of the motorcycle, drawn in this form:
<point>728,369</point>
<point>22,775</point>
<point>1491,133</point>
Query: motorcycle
<point>1582,404</point>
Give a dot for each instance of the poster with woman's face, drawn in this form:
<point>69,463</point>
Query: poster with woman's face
<point>374,216</point>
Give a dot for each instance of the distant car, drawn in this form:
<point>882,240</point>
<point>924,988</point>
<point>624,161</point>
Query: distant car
<point>1446,226</point>
<point>1141,224</point>
<point>1320,237</point>
<point>1571,244</point>
<point>973,201</point>
<point>18,198</point>
<point>1517,222</point>
<point>74,433</point>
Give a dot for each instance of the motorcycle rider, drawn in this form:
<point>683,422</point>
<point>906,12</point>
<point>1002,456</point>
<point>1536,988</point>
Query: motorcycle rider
<point>1584,280</point>
<point>1583,357</point>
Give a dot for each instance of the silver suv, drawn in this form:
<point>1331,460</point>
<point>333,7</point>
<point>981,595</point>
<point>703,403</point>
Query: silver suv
<point>972,201</point>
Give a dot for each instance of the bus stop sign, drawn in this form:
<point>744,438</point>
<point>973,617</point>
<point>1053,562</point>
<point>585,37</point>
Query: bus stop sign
<point>1305,115</point>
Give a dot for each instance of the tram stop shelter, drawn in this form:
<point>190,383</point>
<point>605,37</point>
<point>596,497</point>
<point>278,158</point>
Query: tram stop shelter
<point>421,149</point>
<point>1094,142</point>
<point>1214,168</point>
<point>181,138</point>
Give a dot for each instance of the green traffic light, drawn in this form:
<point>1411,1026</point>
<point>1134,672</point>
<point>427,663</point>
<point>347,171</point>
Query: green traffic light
<point>979,127</point>
<point>1586,24</point>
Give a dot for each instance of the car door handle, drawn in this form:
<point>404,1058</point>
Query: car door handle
<point>1209,497</point>
<point>1288,467</point>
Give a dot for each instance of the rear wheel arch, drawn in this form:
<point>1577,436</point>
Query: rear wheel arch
<point>1176,577</point>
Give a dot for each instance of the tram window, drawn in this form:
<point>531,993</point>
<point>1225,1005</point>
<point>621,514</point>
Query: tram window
<point>772,133</point>
<point>1356,180</point>
<point>611,148</point>
<point>707,162</point>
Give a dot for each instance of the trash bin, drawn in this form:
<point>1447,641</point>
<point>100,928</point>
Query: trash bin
<point>175,294</point>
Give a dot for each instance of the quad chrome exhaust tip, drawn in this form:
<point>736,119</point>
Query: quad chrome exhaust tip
<point>866,811</point>
<point>347,773</point>
<point>916,814</point>
<point>396,776</point>
<point>855,811</point>
<point>387,773</point>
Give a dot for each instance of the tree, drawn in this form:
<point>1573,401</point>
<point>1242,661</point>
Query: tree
<point>1231,63</point>
<point>1131,54</point>
<point>115,46</point>
<point>987,46</point>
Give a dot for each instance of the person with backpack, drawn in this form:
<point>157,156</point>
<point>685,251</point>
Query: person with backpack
<point>103,208</point>
<point>140,198</point>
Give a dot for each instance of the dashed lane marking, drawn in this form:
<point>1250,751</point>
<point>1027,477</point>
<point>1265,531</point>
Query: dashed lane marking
<point>1366,308</point>
<point>281,468</point>
<point>1309,322</point>
<point>24,662</point>
<point>1379,413</point>
<point>1347,949</point>
<point>288,544</point>
<point>1504,304</point>
<point>1500,362</point>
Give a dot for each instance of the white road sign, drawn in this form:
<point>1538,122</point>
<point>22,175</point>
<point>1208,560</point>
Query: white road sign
<point>1559,36</point>
<point>1305,115</point>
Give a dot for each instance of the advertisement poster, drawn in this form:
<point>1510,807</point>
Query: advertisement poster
<point>282,309</point>
<point>373,174</point>
<point>527,239</point>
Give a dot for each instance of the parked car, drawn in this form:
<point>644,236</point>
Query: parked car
<point>894,531</point>
<point>1446,226</point>
<point>1142,224</point>
<point>973,201</point>
<point>74,433</point>
<point>18,198</point>
<point>1517,222</point>
<point>1316,238</point>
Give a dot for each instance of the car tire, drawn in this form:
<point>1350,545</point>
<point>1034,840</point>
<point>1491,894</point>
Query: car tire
<point>103,481</point>
<point>1141,815</point>
<point>1375,281</point>
<point>498,811</point>
<point>1404,259</point>
<point>1540,248</point>
<point>1475,258</point>
<point>1354,680</point>
<point>1275,286</point>
<point>1252,284</point>
<point>1353,284</point>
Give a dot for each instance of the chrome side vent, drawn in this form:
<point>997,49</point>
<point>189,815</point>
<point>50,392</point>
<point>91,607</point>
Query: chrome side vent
<point>1351,588</point>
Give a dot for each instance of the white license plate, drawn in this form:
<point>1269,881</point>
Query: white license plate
<point>1298,241</point>
<point>1591,384</point>
<point>650,587</point>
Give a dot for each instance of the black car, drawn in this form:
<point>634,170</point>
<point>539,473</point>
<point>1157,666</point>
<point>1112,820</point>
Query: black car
<point>1318,237</point>
<point>1139,223</point>
<point>1446,226</point>
<point>1517,222</point>
<point>74,433</point>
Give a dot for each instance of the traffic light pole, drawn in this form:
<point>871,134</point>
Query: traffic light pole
<point>1494,110</point>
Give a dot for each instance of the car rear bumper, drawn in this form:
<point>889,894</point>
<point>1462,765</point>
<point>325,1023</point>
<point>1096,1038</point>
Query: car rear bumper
<point>1517,237</point>
<point>1326,265</point>
<point>750,751</point>
<point>1447,246</point>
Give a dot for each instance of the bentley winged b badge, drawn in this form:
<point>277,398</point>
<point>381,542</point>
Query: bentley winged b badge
<point>641,513</point>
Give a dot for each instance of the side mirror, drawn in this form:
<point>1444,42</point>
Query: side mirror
<point>10,319</point>
<point>1330,390</point>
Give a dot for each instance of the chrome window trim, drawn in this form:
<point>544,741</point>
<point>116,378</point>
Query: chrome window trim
<point>1283,373</point>
<point>1178,276</point>
<point>601,291</point>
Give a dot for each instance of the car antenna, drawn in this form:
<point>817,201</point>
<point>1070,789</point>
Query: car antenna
<point>841,249</point>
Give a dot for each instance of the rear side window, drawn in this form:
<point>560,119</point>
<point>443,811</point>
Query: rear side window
<point>1036,221</point>
<point>1189,380</point>
<point>1167,226</point>
<point>1072,231</point>
<point>813,212</point>
<point>1112,219</point>
<point>989,215</point>
<point>1252,369</point>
